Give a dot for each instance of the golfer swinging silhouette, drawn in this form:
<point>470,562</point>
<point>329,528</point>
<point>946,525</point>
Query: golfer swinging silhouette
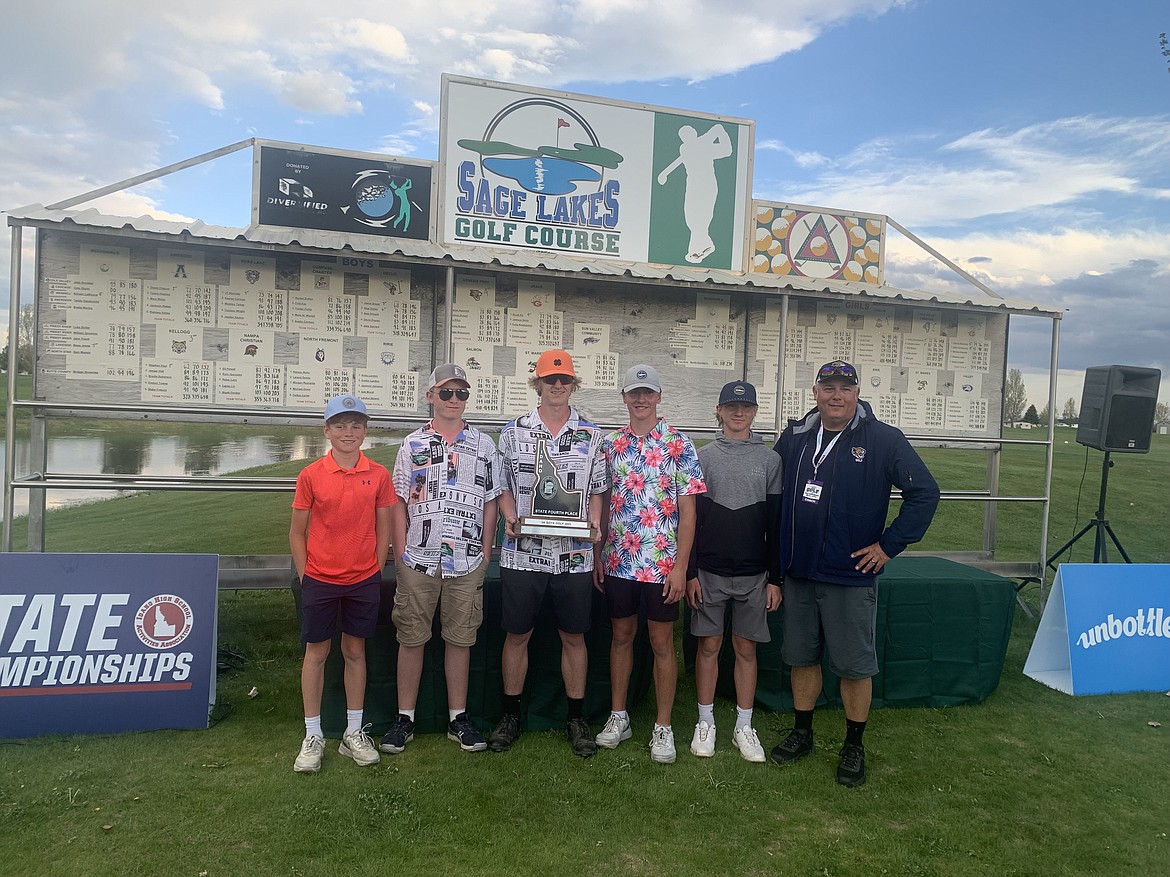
<point>697,154</point>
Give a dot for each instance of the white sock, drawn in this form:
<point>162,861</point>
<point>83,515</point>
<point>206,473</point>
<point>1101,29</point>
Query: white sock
<point>664,727</point>
<point>707,713</point>
<point>408,713</point>
<point>313,727</point>
<point>622,714</point>
<point>451,713</point>
<point>353,721</point>
<point>743,718</point>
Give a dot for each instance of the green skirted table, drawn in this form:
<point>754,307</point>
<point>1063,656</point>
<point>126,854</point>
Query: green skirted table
<point>942,633</point>
<point>544,696</point>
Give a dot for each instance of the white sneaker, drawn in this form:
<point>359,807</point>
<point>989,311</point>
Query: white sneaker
<point>358,746</point>
<point>748,744</point>
<point>662,746</point>
<point>703,743</point>
<point>309,759</point>
<point>615,731</point>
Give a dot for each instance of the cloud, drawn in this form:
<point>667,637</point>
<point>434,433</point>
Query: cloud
<point>1059,168</point>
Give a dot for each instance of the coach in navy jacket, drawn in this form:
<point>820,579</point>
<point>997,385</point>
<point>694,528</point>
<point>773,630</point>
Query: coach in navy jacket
<point>871,457</point>
<point>839,464</point>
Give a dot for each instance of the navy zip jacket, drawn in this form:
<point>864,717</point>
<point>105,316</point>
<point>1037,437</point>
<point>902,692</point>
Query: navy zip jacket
<point>868,459</point>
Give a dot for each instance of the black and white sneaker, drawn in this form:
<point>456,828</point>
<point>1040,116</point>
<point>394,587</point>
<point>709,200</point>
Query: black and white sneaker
<point>400,733</point>
<point>464,733</point>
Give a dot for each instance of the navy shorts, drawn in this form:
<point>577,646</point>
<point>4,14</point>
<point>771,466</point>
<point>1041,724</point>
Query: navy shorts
<point>625,597</point>
<point>524,591</point>
<point>320,602</point>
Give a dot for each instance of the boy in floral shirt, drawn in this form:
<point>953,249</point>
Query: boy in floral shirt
<point>655,475</point>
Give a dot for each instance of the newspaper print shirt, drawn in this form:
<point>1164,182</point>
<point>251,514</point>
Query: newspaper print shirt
<point>445,487</point>
<point>576,452</point>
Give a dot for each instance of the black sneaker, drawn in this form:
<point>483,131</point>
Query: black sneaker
<point>580,738</point>
<point>400,733</point>
<point>851,767</point>
<point>464,733</point>
<point>506,733</point>
<point>794,747</point>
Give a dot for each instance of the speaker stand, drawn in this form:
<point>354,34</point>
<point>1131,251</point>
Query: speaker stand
<point>1099,525</point>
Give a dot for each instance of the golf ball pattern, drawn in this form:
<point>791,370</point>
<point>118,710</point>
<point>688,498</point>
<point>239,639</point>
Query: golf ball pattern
<point>836,246</point>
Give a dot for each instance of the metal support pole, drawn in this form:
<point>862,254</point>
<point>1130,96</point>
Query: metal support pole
<point>9,408</point>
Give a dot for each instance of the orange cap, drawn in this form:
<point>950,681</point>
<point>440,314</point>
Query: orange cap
<point>555,362</point>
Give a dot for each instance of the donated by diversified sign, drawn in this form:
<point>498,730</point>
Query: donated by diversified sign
<point>332,190</point>
<point>103,643</point>
<point>526,168</point>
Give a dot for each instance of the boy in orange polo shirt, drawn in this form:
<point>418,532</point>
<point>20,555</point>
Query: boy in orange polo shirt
<point>340,537</point>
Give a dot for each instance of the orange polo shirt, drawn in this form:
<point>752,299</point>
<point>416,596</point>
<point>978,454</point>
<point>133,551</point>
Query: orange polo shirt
<point>342,543</point>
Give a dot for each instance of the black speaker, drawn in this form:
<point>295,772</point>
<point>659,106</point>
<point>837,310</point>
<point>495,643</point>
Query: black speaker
<point>1117,408</point>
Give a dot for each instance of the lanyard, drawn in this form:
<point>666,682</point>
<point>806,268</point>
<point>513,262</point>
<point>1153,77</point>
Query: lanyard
<point>819,457</point>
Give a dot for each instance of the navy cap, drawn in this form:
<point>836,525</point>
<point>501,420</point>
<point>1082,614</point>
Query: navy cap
<point>737,391</point>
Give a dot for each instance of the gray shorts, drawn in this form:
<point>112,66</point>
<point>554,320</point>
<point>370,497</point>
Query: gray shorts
<point>744,596</point>
<point>837,620</point>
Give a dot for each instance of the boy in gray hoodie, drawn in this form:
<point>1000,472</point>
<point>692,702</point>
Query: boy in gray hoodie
<point>734,567</point>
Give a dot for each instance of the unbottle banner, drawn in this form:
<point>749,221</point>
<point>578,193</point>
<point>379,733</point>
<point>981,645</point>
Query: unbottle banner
<point>1105,628</point>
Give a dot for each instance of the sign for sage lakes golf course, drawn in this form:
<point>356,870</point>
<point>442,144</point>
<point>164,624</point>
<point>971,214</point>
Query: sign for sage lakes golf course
<point>525,168</point>
<point>103,643</point>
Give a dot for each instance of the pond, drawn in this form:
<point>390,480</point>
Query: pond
<point>166,449</point>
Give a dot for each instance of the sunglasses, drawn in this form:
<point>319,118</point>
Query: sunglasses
<point>565,380</point>
<point>834,369</point>
<point>461,394</point>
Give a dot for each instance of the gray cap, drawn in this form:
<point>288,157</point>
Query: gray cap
<point>642,376</point>
<point>738,391</point>
<point>344,404</point>
<point>447,372</point>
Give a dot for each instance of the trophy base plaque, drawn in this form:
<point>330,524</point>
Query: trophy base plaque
<point>534,525</point>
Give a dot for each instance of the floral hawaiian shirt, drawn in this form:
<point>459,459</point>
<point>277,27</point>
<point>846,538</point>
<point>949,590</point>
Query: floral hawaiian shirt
<point>648,474</point>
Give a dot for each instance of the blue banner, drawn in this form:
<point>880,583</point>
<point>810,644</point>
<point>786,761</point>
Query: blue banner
<point>1106,628</point>
<point>103,643</point>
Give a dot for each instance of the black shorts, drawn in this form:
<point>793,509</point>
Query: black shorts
<point>358,604</point>
<point>625,597</point>
<point>524,591</point>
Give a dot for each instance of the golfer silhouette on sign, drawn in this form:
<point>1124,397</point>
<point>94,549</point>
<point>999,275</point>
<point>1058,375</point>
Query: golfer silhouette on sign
<point>403,203</point>
<point>698,154</point>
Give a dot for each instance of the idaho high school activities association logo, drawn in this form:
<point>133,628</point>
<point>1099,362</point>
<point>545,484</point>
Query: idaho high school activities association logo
<point>163,621</point>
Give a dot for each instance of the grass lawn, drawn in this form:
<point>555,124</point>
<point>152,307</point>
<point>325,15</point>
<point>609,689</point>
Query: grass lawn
<point>1030,782</point>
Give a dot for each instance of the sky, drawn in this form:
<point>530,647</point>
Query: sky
<point>1029,142</point>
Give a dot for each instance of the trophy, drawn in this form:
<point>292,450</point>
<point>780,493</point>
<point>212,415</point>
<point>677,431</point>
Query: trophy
<point>557,509</point>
